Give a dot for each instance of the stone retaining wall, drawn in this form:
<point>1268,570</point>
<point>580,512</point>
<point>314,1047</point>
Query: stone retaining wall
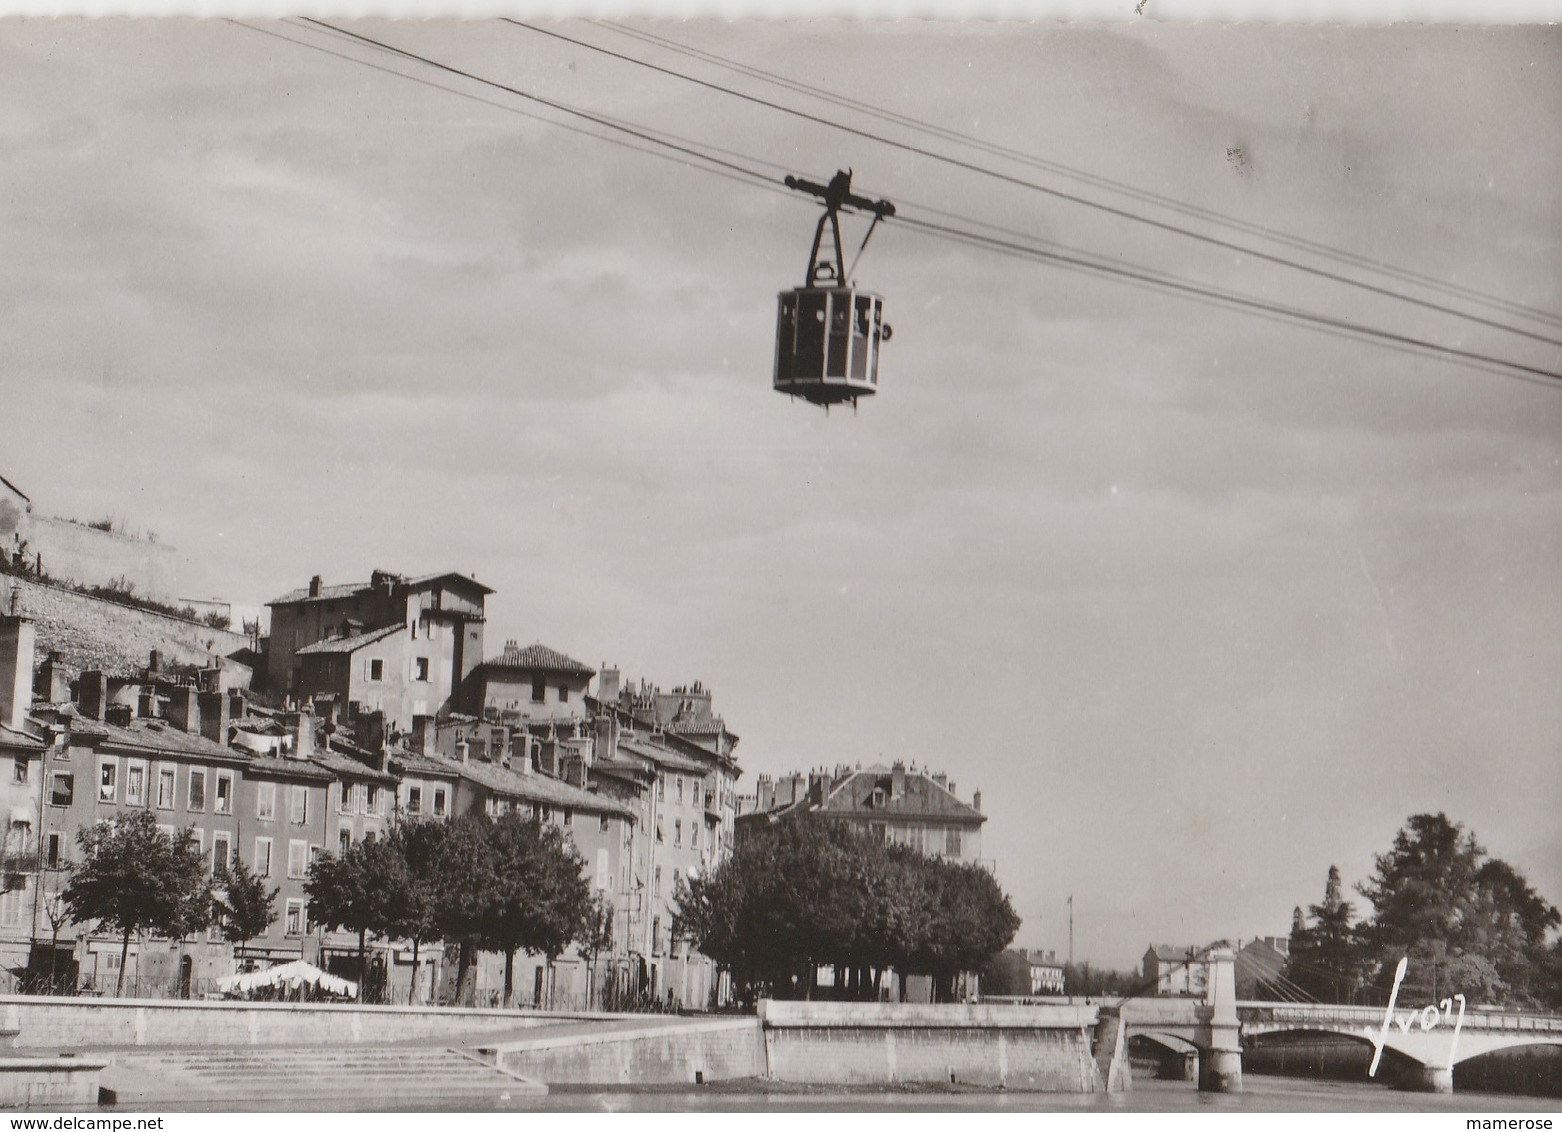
<point>683,1051</point>
<point>86,1023</point>
<point>91,632</point>
<point>1037,1048</point>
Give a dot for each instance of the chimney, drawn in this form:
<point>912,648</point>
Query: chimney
<point>154,662</point>
<point>213,708</point>
<point>607,685</point>
<point>184,709</point>
<point>237,708</point>
<point>146,702</point>
<point>575,771</point>
<point>314,586</point>
<point>370,731</point>
<point>423,735</point>
<point>92,693</point>
<point>302,726</point>
<point>976,801</point>
<point>52,683</point>
<point>765,794</point>
<point>942,780</point>
<point>463,751</point>
<point>897,778</point>
<point>18,640</point>
<point>521,745</point>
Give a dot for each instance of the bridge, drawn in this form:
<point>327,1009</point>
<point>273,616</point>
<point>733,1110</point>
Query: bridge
<point>1431,1039</point>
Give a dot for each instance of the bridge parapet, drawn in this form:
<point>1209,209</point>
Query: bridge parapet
<point>1292,1013</point>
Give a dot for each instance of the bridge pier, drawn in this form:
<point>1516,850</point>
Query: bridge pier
<point>1431,1079</point>
<point>1219,1030</point>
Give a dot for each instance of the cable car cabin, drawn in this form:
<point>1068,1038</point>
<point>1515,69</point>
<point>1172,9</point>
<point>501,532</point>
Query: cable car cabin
<point>827,344</point>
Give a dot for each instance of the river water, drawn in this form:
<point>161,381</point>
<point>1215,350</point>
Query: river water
<point>1261,1094</point>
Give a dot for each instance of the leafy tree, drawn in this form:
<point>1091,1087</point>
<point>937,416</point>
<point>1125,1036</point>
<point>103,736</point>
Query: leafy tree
<point>245,908</point>
<point>1007,973</point>
<point>1326,957</point>
<point>356,892</point>
<point>807,893</point>
<point>133,877</point>
<point>1466,921</point>
<point>541,898</point>
<point>595,939</point>
<point>466,886</point>
<point>414,901</point>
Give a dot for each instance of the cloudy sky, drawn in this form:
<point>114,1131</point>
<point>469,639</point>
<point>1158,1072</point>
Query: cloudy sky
<point>1202,603</point>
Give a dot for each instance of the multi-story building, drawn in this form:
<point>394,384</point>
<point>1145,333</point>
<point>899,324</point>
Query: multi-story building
<point>535,684</point>
<point>894,804</point>
<point>404,646</point>
<point>1175,970</point>
<point>22,751</point>
<point>683,786</point>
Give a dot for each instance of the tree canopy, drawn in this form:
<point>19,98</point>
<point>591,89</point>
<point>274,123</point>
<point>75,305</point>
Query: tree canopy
<point>1468,922</point>
<point>244,908</point>
<point>809,893</point>
<point>133,877</point>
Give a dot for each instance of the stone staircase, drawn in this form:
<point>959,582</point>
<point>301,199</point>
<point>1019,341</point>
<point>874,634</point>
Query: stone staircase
<point>1110,1053</point>
<point>338,1078</point>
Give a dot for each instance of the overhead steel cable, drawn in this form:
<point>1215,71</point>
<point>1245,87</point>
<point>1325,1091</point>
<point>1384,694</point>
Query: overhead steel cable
<point>1072,259</point>
<point>563,108</point>
<point>1518,369</point>
<point>755,180</point>
<point>1035,186</point>
<point>1147,196</point>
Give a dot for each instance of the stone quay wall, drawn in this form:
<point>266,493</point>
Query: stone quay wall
<point>645,1052</point>
<point>88,1023</point>
<point>1035,1048</point>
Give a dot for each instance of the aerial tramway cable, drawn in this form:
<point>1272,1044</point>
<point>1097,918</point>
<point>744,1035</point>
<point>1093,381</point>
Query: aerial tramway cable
<point>1059,194</point>
<point>1072,260</point>
<point>1147,196</point>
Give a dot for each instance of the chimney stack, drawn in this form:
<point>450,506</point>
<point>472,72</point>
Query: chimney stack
<point>146,702</point>
<point>184,709</point>
<point>607,685</point>
<point>213,713</point>
<point>302,726</point>
<point>314,586</point>
<point>897,779</point>
<point>976,801</point>
<point>52,683</point>
<point>237,708</point>
<point>424,736</point>
<point>18,642</point>
<point>92,693</point>
<point>942,779</point>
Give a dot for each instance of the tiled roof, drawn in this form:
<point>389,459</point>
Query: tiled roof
<point>540,658</point>
<point>348,589</point>
<point>462,578</point>
<point>349,644</point>
<point>700,725</point>
<point>661,756</point>
<point>326,593</point>
<point>12,738</point>
<point>345,765</point>
<point>156,736</point>
<point>288,768</point>
<point>408,763</point>
<point>537,788</point>
<point>921,798</point>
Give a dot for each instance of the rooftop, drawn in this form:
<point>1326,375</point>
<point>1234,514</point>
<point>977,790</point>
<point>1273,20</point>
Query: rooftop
<point>537,788</point>
<point>349,644</point>
<point>539,658</point>
<point>350,589</point>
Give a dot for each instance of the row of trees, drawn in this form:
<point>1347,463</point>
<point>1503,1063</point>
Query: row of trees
<point>1467,921</point>
<point>805,894</point>
<point>503,886</point>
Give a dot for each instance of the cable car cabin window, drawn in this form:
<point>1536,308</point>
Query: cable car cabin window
<point>840,331</point>
<point>808,360</point>
<point>862,345</point>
